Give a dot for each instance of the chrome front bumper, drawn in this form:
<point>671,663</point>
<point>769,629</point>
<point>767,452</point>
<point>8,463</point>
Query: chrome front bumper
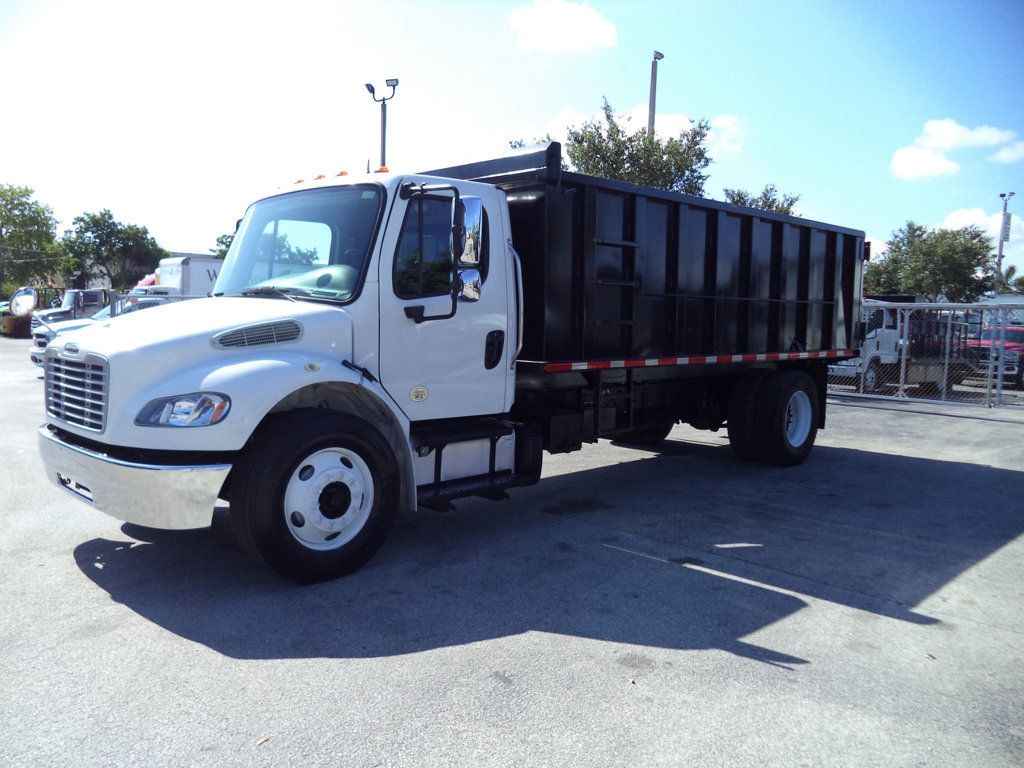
<point>171,497</point>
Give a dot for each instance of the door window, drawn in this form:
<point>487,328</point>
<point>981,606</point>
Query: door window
<point>423,262</point>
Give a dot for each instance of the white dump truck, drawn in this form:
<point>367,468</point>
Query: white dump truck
<point>387,342</point>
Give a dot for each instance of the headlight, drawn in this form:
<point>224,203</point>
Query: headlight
<point>199,409</point>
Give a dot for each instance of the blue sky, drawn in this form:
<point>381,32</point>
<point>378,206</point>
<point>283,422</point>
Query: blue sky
<point>175,116</point>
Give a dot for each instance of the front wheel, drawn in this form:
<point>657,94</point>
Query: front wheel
<point>870,384</point>
<point>315,496</point>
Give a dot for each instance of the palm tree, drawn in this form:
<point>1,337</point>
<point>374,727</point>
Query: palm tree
<point>1007,281</point>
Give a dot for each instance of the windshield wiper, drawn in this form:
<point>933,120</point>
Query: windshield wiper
<point>273,290</point>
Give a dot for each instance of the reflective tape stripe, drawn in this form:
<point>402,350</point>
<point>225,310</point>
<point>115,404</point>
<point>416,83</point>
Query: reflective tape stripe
<point>698,360</point>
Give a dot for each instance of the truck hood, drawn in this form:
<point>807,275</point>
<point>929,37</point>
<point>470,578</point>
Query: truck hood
<point>181,333</point>
<point>53,328</point>
<point>57,314</point>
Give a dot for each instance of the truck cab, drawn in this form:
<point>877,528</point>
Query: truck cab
<point>75,304</point>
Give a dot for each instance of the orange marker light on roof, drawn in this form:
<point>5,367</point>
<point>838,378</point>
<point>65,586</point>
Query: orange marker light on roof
<point>317,178</point>
<point>382,169</point>
<point>342,173</point>
<point>300,181</point>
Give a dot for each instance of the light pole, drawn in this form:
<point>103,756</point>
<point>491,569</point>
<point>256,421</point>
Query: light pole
<point>393,82</point>
<point>658,56</point>
<point>1004,234</point>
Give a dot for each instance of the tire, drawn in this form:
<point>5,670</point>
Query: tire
<point>315,495</point>
<point>648,434</point>
<point>740,423</point>
<point>783,418</point>
<point>870,382</point>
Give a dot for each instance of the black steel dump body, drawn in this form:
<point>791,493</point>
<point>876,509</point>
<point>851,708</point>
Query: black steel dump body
<point>617,272</point>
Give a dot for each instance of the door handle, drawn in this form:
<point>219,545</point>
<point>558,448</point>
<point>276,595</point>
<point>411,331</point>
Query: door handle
<point>493,348</point>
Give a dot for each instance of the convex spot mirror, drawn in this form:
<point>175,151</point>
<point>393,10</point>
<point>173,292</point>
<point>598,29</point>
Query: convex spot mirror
<point>469,284</point>
<point>23,301</point>
<point>467,230</point>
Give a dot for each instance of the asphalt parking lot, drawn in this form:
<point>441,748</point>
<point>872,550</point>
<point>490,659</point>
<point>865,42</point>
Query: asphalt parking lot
<point>636,608</point>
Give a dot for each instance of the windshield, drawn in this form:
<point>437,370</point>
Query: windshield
<point>1013,335</point>
<point>312,244</point>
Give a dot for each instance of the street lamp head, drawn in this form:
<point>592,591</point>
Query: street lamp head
<point>370,89</point>
<point>658,55</point>
<point>393,82</point>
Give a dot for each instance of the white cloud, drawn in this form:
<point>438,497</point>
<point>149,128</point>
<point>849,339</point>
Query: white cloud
<point>921,162</point>
<point>1011,153</point>
<point>946,135</point>
<point>926,155</point>
<point>967,217</point>
<point>725,135</point>
<point>560,26</point>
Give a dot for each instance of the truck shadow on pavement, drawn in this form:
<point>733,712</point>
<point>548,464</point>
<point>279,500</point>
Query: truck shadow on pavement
<point>680,550</point>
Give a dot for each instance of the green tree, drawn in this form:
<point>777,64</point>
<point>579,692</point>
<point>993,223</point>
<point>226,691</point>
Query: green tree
<point>608,149</point>
<point>29,252</point>
<point>100,246</point>
<point>950,264</point>
<point>769,199</point>
<point>223,243</point>
<point>522,143</point>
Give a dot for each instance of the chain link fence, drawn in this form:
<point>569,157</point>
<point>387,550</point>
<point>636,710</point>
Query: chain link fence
<point>964,353</point>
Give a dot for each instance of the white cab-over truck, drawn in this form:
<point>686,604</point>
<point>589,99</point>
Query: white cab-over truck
<point>389,342</point>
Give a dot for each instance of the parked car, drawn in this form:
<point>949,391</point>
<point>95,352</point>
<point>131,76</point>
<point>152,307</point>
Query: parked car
<point>44,332</point>
<point>1013,347</point>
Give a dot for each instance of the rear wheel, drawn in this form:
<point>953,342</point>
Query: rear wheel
<point>786,422</point>
<point>776,417</point>
<point>315,496</point>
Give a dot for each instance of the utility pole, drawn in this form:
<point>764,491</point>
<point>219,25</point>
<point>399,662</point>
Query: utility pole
<point>393,82</point>
<point>658,56</point>
<point>1004,234</point>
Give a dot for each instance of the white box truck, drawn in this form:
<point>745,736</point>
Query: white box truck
<point>186,276</point>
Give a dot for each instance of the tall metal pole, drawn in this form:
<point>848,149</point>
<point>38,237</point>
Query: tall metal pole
<point>393,82</point>
<point>383,131</point>
<point>1002,230</point>
<point>658,56</point>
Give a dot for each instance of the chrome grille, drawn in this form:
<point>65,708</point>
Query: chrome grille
<point>262,333</point>
<point>76,390</point>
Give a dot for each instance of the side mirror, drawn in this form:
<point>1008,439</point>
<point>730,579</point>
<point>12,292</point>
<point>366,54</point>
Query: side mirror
<point>23,301</point>
<point>469,284</point>
<point>467,230</point>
